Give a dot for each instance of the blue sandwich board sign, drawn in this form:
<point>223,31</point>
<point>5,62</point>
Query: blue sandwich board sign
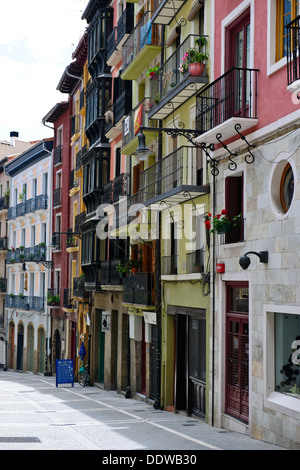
<point>64,371</point>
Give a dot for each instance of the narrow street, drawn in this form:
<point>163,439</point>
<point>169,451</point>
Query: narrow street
<point>35,414</point>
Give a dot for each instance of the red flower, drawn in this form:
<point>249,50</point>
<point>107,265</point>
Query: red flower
<point>223,212</point>
<point>207,224</point>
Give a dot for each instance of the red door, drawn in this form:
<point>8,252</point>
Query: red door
<point>237,352</point>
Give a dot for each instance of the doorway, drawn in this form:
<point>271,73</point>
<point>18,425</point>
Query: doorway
<point>237,351</point>
<point>190,363</point>
<point>20,344</point>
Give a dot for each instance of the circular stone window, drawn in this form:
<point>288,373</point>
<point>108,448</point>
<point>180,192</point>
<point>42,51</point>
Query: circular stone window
<point>282,188</point>
<point>287,188</point>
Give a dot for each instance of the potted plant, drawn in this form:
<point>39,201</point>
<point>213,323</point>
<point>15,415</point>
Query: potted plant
<point>193,61</point>
<point>121,269</point>
<point>157,98</point>
<point>152,71</point>
<point>220,223</point>
<point>11,295</point>
<point>132,266</point>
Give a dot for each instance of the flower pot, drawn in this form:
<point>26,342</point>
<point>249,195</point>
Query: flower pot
<point>225,228</point>
<point>196,69</point>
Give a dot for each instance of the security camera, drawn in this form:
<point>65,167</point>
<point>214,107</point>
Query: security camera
<point>244,262</point>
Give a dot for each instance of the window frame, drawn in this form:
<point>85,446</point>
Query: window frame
<point>273,400</point>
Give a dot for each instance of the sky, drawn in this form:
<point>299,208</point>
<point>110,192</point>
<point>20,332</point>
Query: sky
<point>37,40</point>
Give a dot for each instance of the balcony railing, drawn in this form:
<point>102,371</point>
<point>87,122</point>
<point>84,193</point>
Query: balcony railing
<point>170,264</point>
<point>293,51</point>
<point>79,220</point>
<point>36,253</point>
<point>4,202</point>
<point>53,298</point>
<point>139,289</point>
<point>122,105</point>
<point>109,273</point>
<point>3,243</point>
<point>112,42</point>
<point>57,197</point>
<point>169,174</point>
<point>78,288</point>
<point>143,34</point>
<point>24,302</point>
<point>39,202</point>
<point>129,132</point>
<point>57,158</point>
<point>166,79</point>
<point>67,298</point>
<point>195,262</point>
<point>234,94</point>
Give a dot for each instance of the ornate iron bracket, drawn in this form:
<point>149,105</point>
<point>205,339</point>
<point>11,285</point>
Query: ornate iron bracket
<point>183,21</point>
<point>248,158</point>
<point>232,165</point>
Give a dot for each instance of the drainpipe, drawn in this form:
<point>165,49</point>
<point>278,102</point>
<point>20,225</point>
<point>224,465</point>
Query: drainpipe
<point>157,403</point>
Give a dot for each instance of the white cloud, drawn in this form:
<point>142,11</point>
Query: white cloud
<point>37,39</point>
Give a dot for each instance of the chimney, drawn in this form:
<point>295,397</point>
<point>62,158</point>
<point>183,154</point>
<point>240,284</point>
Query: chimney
<point>13,136</point>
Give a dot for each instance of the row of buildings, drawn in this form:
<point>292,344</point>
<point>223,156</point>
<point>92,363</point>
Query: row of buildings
<point>159,226</point>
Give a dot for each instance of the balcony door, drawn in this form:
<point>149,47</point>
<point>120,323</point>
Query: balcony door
<point>238,56</point>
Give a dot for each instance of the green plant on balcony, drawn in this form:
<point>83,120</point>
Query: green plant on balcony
<point>21,295</point>
<point>42,244</point>
<point>152,71</point>
<point>22,195</point>
<point>71,242</point>
<point>157,98</point>
<point>21,248</point>
<point>194,55</point>
<point>53,299</point>
<point>132,266</point>
<point>11,295</point>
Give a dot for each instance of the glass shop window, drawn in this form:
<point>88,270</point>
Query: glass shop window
<point>287,354</point>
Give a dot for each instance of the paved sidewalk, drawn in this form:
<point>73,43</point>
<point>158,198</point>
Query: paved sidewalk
<point>37,415</point>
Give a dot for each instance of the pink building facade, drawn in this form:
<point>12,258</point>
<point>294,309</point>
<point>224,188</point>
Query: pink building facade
<point>250,113</point>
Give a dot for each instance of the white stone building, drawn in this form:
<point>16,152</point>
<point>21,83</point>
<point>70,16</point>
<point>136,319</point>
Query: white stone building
<point>28,273</point>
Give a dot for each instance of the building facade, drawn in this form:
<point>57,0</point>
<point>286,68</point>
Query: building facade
<point>250,116</point>
<point>29,222</point>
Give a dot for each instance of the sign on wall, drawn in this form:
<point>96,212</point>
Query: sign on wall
<point>105,320</point>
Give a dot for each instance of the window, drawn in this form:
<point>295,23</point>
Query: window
<point>287,350</point>
<point>286,11</point>
<point>282,185</point>
<point>234,207</point>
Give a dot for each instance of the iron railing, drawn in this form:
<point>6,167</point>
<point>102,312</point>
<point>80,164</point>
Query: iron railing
<point>143,34</point>
<point>57,197</point>
<point>57,158</point>
<point>129,132</point>
<point>125,22</point>
<point>293,50</point>
<point>176,169</point>
<point>169,76</point>
<point>24,302</point>
<point>234,94</point>
<point>138,289</point>
<point>112,42</point>
<point>78,288</point>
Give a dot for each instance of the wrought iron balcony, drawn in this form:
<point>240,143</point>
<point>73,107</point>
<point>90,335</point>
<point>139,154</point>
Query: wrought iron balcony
<point>36,253</point>
<point>137,116</point>
<point>170,264</point>
<point>195,261</point>
<point>109,273</point>
<point>229,100</point>
<point>57,197</point>
<point>78,288</point>
<point>293,54</point>
<point>24,302</point>
<point>3,284</point>
<point>4,202</point>
<point>169,87</point>
<point>3,243</point>
<point>53,298</point>
<point>67,299</point>
<point>166,10</point>
<point>173,179</point>
<point>141,47</point>
<point>57,158</point>
<point>79,220</point>
<point>139,289</point>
